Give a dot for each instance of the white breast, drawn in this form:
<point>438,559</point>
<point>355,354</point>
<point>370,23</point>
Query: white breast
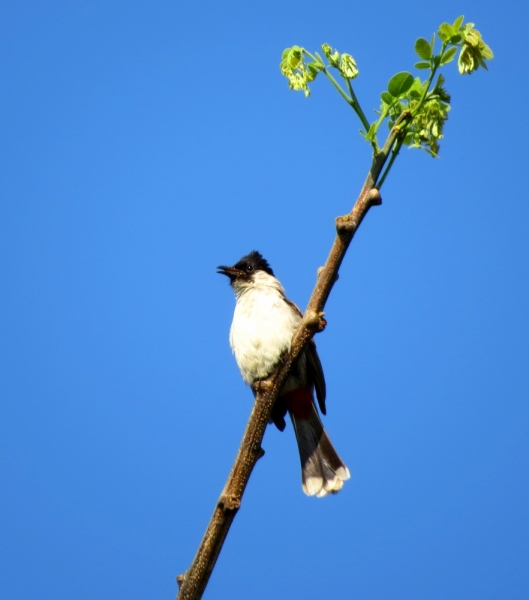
<point>262,327</point>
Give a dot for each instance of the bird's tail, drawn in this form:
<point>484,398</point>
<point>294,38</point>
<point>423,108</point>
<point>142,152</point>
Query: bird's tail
<point>322,470</point>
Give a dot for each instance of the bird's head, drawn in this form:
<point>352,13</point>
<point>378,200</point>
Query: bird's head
<point>245,272</point>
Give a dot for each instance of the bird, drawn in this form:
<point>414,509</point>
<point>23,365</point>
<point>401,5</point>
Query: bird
<point>263,324</point>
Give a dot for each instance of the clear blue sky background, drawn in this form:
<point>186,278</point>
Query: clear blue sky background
<point>145,143</point>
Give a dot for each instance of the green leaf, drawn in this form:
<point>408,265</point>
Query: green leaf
<point>432,43</point>
<point>422,47</point>
<point>370,135</point>
<point>386,97</point>
<point>408,139</point>
<point>400,83</point>
<point>458,22</point>
<point>483,64</point>
<point>314,69</point>
<point>448,56</point>
<point>486,52</point>
<point>422,65</point>
<point>334,58</point>
<point>294,57</point>
<point>447,31</point>
<point>418,84</point>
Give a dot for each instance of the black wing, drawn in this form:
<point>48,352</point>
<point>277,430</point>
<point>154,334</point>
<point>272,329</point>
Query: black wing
<point>315,372</point>
<point>314,368</point>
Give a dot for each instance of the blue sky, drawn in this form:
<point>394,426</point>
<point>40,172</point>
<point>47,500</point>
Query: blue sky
<point>145,143</point>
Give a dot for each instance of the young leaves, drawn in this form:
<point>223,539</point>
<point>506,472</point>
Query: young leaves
<point>348,69</point>
<point>300,74</point>
<point>474,51</point>
<point>428,107</point>
<point>294,69</point>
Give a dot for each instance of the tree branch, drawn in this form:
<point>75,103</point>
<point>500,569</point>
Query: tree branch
<point>193,582</point>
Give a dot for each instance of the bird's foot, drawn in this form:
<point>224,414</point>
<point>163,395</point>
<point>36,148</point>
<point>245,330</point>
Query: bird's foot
<point>261,385</point>
<point>316,321</point>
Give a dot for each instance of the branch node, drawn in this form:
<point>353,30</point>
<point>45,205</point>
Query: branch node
<point>374,198</point>
<point>256,449</point>
<point>345,225</point>
<point>261,453</point>
<point>229,503</point>
<point>180,580</point>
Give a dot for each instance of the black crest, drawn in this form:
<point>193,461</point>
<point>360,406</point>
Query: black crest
<point>253,262</point>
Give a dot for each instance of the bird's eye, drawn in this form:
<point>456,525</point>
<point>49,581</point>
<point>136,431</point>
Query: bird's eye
<point>249,268</point>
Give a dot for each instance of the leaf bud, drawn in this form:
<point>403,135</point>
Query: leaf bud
<point>348,66</point>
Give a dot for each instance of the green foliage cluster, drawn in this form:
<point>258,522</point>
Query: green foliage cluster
<point>425,100</point>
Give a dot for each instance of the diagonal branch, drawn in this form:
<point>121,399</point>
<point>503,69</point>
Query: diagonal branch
<point>193,583</point>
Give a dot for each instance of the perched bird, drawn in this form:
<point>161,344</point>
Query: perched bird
<point>261,331</point>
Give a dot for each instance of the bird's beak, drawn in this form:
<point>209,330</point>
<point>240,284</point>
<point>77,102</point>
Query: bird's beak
<point>231,272</point>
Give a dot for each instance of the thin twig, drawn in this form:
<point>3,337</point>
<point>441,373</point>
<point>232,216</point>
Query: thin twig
<point>193,582</point>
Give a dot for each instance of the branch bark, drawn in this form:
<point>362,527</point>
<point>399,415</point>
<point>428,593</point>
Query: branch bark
<point>193,583</point>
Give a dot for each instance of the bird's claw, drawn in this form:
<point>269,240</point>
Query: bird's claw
<point>316,322</point>
<point>261,385</point>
